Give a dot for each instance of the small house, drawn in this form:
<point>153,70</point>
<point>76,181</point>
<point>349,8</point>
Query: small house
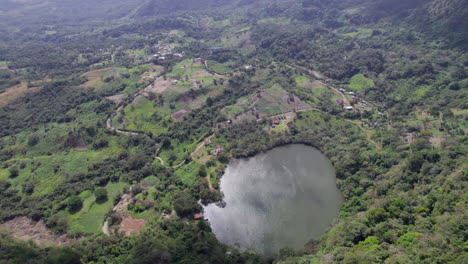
<point>340,101</point>
<point>276,122</point>
<point>349,108</point>
<point>327,80</point>
<point>198,216</point>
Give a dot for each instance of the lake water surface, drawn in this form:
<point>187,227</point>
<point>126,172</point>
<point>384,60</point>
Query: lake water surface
<point>281,198</point>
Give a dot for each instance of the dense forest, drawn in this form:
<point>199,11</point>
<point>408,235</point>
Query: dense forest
<point>110,112</point>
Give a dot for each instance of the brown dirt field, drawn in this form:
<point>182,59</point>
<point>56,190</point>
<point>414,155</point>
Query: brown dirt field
<point>198,153</point>
<point>205,159</point>
<point>179,115</point>
<point>15,92</point>
<point>81,145</point>
<point>94,77</point>
<point>24,228</point>
<point>130,226</point>
<point>248,44</point>
<point>298,104</point>
<point>160,85</point>
<point>408,138</point>
<point>214,93</point>
<point>436,141</point>
<point>117,99</point>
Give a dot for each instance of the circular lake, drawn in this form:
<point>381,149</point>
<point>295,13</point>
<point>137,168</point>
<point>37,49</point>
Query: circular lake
<point>281,198</point>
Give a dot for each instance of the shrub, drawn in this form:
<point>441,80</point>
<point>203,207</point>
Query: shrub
<point>74,203</point>
<point>14,172</point>
<point>33,140</point>
<point>101,195</point>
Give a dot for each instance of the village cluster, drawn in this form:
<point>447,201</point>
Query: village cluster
<point>165,51</point>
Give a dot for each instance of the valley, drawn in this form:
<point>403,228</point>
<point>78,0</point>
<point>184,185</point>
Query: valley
<point>121,124</point>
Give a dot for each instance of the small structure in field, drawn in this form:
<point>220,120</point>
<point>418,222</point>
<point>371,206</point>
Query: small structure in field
<point>217,150</point>
<point>198,215</point>
<point>349,108</point>
<point>340,101</point>
<point>275,123</point>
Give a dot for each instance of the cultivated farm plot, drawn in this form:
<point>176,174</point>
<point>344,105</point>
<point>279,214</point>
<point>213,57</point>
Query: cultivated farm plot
<point>141,115</point>
<point>90,218</point>
<point>95,78</point>
<point>186,88</point>
<point>271,101</point>
<point>359,83</point>
<point>15,92</point>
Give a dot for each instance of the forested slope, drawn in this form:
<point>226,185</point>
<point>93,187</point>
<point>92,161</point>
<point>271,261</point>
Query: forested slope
<point>120,104</point>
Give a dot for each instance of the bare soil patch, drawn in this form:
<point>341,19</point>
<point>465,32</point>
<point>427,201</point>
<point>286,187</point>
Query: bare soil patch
<point>24,228</point>
<point>408,138</point>
<point>80,145</point>
<point>130,226</point>
<point>118,98</point>
<point>436,141</point>
<point>179,115</point>
<point>15,92</point>
<point>214,93</point>
<point>160,85</point>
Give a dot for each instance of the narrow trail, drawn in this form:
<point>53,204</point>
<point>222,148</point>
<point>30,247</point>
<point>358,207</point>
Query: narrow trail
<point>169,167</point>
<point>201,145</point>
<point>367,132</point>
<point>105,227</point>
<point>204,142</point>
<point>208,179</point>
<point>347,103</point>
<point>318,76</point>
<point>120,207</point>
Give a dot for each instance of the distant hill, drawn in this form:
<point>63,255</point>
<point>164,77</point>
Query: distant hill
<point>438,19</point>
<point>446,19</point>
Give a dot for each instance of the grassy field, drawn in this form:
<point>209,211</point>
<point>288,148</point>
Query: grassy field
<point>301,79</point>
<point>140,117</point>
<point>221,68</point>
<point>47,172</point>
<point>90,218</point>
<point>360,33</point>
<point>186,68</point>
<point>359,83</point>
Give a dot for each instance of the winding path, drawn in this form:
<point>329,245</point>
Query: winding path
<point>111,128</point>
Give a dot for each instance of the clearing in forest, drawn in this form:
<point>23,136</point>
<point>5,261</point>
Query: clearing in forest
<point>24,228</point>
<point>94,78</point>
<point>15,92</point>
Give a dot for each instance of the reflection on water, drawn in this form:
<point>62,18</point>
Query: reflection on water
<point>282,198</point>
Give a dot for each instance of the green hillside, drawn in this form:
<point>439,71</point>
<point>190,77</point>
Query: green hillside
<point>119,118</point>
